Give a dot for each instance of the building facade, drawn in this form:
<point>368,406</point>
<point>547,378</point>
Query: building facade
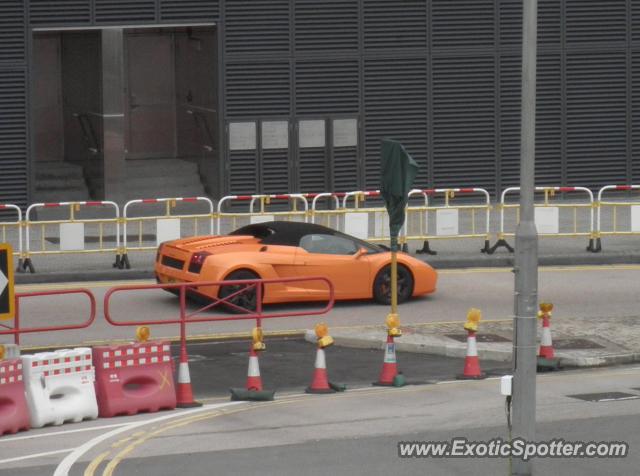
<point>294,95</point>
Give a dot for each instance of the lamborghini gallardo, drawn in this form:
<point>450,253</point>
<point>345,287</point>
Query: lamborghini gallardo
<point>279,249</point>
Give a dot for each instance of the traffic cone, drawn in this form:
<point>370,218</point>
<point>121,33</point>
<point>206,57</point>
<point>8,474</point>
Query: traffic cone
<point>254,381</point>
<point>546,354</point>
<point>184,393</point>
<point>253,390</point>
<point>546,345</point>
<point>389,376</point>
<point>320,383</point>
<point>472,369</point>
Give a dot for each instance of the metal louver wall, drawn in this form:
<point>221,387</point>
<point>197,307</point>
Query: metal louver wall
<point>254,27</point>
<point>442,76</point>
<point>635,113</point>
<point>13,137</point>
<point>464,128</point>
<point>394,25</point>
<point>177,10</point>
<point>395,105</point>
<point>596,147</point>
<point>256,89</point>
<point>12,29</point>
<point>327,25</point>
<point>54,12</point>
<point>125,11</point>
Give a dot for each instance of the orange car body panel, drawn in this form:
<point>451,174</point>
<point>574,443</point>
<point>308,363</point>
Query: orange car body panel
<point>352,277</point>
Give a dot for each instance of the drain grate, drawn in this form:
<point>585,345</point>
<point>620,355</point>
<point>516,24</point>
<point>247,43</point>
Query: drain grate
<point>563,344</point>
<point>479,337</point>
<point>605,396</point>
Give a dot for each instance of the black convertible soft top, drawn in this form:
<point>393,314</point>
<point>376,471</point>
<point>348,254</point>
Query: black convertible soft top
<point>286,233</point>
<point>289,233</point>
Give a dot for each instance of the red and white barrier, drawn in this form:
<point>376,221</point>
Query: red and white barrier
<point>547,215</point>
<point>72,231</point>
<point>167,226</point>
<point>11,231</point>
<point>609,212</point>
<point>259,211</point>
<point>134,377</point>
<point>59,386</point>
<point>14,412</point>
<point>356,218</point>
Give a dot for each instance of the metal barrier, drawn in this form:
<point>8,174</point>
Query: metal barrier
<point>366,223</point>
<point>166,227</point>
<point>72,233</point>
<point>250,285</point>
<point>17,330</point>
<point>632,218</point>
<point>460,221</point>
<point>547,216</point>
<point>332,212</point>
<point>11,231</point>
<point>236,219</point>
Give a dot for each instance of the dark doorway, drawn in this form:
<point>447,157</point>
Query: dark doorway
<point>168,109</point>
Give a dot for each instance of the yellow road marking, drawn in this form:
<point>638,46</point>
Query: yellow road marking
<point>91,469</point>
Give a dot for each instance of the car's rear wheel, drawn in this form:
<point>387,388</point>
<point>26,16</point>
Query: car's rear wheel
<point>382,285</point>
<point>246,300</point>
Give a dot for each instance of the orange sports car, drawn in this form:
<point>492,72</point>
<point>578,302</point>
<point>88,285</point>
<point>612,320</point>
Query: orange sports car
<point>278,249</point>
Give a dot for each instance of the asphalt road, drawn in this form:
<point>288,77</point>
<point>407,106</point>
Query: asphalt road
<point>594,291</point>
<point>352,433</point>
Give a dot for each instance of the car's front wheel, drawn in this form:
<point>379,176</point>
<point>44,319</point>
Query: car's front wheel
<point>382,285</point>
<point>246,300</point>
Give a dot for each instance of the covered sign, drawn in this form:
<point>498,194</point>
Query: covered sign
<point>397,173</point>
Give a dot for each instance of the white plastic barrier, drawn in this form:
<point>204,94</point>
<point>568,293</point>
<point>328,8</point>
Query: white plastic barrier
<point>548,216</point>
<point>73,233</point>
<point>166,227</point>
<point>60,386</point>
<point>259,210</point>
<point>621,216</point>
<point>11,230</point>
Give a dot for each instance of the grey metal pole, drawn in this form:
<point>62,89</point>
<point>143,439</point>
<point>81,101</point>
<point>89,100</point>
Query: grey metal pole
<point>526,258</point>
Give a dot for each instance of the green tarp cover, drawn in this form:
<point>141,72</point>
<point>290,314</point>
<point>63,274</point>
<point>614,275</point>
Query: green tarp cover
<point>397,173</point>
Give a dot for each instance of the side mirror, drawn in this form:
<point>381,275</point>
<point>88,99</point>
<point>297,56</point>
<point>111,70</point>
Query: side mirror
<point>360,253</point>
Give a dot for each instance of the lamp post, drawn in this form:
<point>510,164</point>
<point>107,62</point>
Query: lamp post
<point>526,257</point>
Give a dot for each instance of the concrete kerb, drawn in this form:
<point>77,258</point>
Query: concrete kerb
<point>373,337</point>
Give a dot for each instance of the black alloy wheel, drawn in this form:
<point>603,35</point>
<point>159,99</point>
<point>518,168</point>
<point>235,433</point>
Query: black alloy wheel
<point>382,285</point>
<point>246,300</point>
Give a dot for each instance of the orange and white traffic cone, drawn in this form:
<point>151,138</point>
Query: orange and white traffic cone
<point>546,345</point>
<point>471,361</point>
<point>254,381</point>
<point>320,383</point>
<point>472,369</point>
<point>184,392</point>
<point>253,390</point>
<point>389,365</point>
<point>546,355</point>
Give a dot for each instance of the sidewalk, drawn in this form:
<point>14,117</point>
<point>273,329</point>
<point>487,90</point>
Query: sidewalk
<point>577,342</point>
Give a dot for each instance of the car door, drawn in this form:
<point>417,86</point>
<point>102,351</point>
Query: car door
<point>337,258</point>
